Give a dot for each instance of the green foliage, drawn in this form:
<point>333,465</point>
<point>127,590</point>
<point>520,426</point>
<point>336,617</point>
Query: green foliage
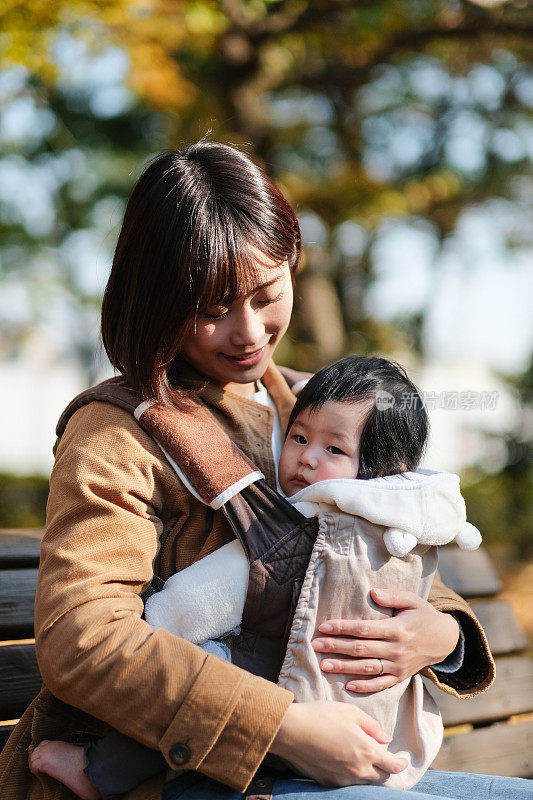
<point>500,506</point>
<point>364,112</point>
<point>22,501</point>
<point>355,108</point>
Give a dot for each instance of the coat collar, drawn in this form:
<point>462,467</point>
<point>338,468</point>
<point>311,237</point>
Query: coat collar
<point>276,385</point>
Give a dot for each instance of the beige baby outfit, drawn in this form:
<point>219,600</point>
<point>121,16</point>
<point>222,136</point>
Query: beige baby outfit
<point>377,533</point>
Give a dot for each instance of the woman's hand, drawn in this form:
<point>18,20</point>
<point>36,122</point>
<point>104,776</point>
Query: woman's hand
<point>390,649</point>
<point>335,744</point>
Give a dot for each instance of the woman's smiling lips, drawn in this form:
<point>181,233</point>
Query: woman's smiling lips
<point>247,359</point>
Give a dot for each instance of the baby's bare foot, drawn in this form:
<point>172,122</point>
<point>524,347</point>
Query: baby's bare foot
<point>65,762</point>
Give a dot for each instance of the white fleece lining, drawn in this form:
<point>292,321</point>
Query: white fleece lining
<point>455,660</point>
<point>142,407</point>
<point>422,507</point>
<point>235,488</point>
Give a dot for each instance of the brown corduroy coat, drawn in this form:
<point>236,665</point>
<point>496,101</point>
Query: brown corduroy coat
<point>117,514</point>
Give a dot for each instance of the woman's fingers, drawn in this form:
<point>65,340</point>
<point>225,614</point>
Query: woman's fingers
<point>372,684</point>
<point>372,727</point>
<point>357,648</point>
<point>362,628</point>
<point>358,666</point>
<point>414,636</point>
<point>388,762</point>
<point>396,598</point>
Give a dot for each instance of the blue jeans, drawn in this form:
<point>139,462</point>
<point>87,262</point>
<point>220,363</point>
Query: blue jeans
<point>435,785</point>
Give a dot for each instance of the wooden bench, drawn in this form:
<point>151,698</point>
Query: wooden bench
<point>492,733</point>
<point>20,679</point>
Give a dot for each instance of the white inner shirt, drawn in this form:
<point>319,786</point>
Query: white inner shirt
<point>263,397</point>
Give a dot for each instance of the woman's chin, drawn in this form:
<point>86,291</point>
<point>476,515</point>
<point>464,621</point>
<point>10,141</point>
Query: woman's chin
<point>244,375</point>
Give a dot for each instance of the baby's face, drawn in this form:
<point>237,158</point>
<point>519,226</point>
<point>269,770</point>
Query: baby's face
<point>322,444</point>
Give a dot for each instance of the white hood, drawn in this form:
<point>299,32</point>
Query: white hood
<point>421,507</point>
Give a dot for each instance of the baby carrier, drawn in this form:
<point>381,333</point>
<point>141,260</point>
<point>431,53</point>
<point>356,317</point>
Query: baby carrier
<point>336,556</point>
<point>277,539</point>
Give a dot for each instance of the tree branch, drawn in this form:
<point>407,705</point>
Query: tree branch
<point>279,22</point>
<point>347,77</point>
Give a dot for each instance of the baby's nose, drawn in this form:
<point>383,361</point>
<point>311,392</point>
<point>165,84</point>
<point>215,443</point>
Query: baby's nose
<point>308,457</point>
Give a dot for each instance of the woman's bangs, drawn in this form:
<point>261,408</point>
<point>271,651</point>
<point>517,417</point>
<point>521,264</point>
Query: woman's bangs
<point>232,271</point>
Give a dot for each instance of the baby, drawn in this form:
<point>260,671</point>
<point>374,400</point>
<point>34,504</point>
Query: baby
<point>354,439</point>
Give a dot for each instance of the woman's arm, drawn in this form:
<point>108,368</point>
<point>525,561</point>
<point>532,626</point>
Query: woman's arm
<point>109,495</point>
<point>419,634</point>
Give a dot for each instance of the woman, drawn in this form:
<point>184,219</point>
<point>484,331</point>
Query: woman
<point>199,296</point>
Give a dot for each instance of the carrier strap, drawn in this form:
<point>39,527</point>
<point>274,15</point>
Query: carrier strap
<point>276,537</point>
<point>212,467</point>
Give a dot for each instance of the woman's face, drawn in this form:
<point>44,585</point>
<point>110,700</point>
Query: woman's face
<point>233,345</point>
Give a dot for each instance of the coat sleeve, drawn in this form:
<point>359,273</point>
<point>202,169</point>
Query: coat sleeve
<point>477,671</point>
<point>95,652</point>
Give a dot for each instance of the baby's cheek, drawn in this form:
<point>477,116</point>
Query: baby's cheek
<point>283,472</point>
<point>344,469</point>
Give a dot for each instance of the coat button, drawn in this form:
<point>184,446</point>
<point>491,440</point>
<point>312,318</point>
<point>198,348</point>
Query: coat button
<point>179,754</point>
<point>261,784</point>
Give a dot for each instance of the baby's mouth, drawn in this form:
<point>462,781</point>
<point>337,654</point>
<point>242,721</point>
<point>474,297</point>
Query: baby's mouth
<point>300,479</point>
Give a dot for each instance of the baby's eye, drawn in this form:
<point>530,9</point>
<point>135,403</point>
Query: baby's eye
<point>299,439</point>
<point>336,451</point>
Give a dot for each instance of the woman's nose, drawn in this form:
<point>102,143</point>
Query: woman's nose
<point>248,328</point>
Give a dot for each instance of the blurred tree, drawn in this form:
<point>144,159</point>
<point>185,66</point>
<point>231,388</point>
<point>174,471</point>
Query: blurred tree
<point>500,504</point>
<point>361,110</point>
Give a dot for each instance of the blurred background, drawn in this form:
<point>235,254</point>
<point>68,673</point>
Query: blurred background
<point>400,130</point>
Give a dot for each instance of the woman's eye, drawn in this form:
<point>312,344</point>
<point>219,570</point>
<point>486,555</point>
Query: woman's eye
<point>266,301</point>
<point>336,451</point>
<point>216,313</point>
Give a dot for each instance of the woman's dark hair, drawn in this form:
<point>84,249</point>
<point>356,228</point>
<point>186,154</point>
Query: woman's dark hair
<point>187,242</point>
<point>396,429</point>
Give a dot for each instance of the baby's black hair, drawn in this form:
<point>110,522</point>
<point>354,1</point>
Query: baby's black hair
<point>396,430</point>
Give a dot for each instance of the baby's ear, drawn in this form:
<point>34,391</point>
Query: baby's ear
<point>398,542</point>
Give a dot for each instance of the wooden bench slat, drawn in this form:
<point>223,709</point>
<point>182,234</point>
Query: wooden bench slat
<point>500,749</point>
<point>18,549</point>
<point>32,533</point>
<point>20,679</point>
<point>511,693</point>
<point>503,632</point>
<point>17,600</point>
<point>469,573</point>
<point>5,733</point>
